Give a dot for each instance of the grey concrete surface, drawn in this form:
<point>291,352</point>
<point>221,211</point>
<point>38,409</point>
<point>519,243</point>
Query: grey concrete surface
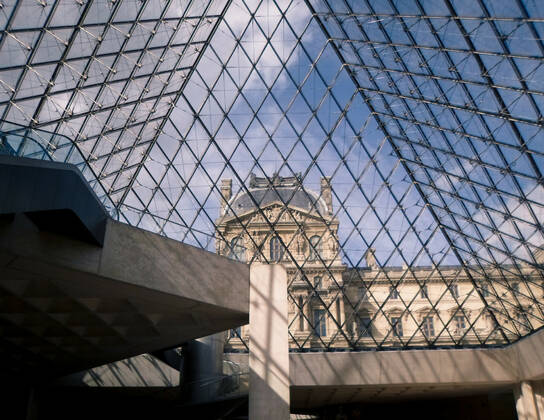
<point>70,305</point>
<point>404,367</point>
<point>269,345</point>
<point>144,370</point>
<point>54,195</point>
<point>529,356</point>
<point>319,379</point>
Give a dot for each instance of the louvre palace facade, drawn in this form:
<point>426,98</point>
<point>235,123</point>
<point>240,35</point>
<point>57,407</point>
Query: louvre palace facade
<point>359,182</point>
<point>333,306</point>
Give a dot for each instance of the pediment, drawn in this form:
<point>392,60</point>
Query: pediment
<point>272,213</point>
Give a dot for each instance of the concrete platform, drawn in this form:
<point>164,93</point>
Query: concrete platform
<point>333,378</point>
<point>320,379</point>
<point>68,304</point>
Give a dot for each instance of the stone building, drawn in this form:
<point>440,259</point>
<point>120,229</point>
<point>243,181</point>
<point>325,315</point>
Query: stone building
<point>335,306</point>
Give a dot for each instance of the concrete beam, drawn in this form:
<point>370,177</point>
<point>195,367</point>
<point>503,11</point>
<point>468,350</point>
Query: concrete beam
<point>406,367</point>
<point>143,371</point>
<point>80,305</point>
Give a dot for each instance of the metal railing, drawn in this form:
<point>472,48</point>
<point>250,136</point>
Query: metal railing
<point>18,140</point>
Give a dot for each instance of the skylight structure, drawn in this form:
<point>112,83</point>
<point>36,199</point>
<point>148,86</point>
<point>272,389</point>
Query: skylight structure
<point>425,115</point>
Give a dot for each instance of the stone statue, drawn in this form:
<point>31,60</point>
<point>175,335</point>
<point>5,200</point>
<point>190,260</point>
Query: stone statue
<point>300,243</point>
<point>333,244</point>
<point>370,258</point>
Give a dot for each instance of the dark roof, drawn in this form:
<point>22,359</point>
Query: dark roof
<point>266,191</point>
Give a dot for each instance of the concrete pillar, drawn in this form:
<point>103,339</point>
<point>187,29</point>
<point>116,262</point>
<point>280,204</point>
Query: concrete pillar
<point>203,368</point>
<point>31,409</point>
<point>268,344</point>
<point>530,400</point>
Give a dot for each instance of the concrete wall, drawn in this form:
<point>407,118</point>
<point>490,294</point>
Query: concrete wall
<point>523,360</point>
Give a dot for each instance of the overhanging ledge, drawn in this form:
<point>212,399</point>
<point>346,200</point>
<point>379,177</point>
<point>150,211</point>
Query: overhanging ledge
<point>337,378</point>
<point>68,304</point>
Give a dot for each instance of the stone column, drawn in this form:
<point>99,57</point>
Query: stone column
<point>268,344</point>
<point>529,397</point>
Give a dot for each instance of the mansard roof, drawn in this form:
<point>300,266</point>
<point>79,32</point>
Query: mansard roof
<point>277,189</point>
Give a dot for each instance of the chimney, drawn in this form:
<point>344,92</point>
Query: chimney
<point>326,193</point>
<point>226,194</point>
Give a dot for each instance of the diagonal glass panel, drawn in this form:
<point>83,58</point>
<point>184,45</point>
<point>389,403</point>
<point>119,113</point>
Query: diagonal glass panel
<point>98,71</point>
<point>388,153</point>
<point>307,136</point>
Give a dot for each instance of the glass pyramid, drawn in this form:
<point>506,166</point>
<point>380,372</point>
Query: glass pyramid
<point>391,152</point>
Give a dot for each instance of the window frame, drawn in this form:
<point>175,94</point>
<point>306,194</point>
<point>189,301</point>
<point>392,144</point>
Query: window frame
<point>460,322</point>
<point>320,322</point>
<point>276,249</point>
<point>237,249</point>
<point>427,326</point>
<point>453,288</point>
<point>424,292</point>
<point>393,293</point>
<point>364,326</point>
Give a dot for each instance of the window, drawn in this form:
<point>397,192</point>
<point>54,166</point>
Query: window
<point>320,326</point>
<point>235,333</point>
<point>301,314</point>
<point>523,319</point>
<point>396,323</point>
<point>424,294</point>
<point>276,249</point>
<point>515,287</point>
<point>317,282</point>
<point>393,292</point>
<point>459,322</point>
<point>485,290</point>
<point>363,294</point>
<point>427,327</point>
<point>454,290</point>
<point>237,251</point>
<point>365,327</point>
<point>315,248</point>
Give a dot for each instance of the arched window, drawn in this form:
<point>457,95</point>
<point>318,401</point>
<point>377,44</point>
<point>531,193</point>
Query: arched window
<point>237,251</point>
<point>276,249</point>
<point>315,248</point>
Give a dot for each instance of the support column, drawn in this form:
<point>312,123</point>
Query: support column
<point>203,368</point>
<point>268,344</point>
<point>530,400</point>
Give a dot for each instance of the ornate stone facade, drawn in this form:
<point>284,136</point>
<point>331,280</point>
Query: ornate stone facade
<point>331,305</point>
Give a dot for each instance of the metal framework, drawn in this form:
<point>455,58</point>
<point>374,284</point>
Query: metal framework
<point>426,115</point>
